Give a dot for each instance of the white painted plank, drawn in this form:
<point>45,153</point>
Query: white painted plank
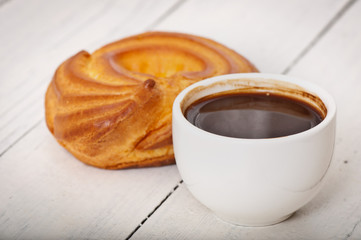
<point>355,232</point>
<point>58,208</point>
<point>270,33</point>
<point>253,28</point>
<point>47,194</point>
<point>334,63</point>
<point>41,34</point>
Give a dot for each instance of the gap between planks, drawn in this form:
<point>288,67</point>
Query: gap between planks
<point>317,38</point>
<point>161,18</point>
<point>353,229</point>
<point>175,6</point>
<point>21,137</point>
<point>166,14</point>
<point>154,210</point>
<point>320,35</point>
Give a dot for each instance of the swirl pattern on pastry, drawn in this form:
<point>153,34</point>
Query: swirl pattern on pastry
<point>112,109</point>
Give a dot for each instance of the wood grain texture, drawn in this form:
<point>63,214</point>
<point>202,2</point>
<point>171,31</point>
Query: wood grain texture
<point>333,63</point>
<point>47,194</point>
<point>270,33</point>
<point>36,42</point>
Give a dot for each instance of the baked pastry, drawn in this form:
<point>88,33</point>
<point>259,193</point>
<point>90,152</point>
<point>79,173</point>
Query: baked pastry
<point>112,109</point>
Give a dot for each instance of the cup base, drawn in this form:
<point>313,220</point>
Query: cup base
<point>245,223</point>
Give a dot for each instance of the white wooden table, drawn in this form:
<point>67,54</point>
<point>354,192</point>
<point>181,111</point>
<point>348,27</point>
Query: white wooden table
<point>45,193</point>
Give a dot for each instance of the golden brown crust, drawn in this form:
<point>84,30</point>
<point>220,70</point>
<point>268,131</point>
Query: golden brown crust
<point>112,108</point>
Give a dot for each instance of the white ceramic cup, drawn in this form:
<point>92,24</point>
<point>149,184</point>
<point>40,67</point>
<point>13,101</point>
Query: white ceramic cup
<point>254,182</point>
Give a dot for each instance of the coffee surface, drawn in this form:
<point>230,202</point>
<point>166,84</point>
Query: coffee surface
<point>252,115</point>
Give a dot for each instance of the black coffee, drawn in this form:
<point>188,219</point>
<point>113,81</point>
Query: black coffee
<point>252,115</point>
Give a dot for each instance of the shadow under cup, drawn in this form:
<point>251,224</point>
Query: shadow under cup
<point>254,182</point>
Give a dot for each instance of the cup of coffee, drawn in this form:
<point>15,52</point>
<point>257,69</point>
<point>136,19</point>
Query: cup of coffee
<point>253,147</point>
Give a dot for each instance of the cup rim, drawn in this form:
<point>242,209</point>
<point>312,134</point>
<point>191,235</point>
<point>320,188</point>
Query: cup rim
<point>326,98</point>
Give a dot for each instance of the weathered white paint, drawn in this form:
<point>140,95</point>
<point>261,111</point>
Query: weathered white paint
<point>46,193</point>
<point>269,33</point>
<point>334,63</point>
<point>38,35</point>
